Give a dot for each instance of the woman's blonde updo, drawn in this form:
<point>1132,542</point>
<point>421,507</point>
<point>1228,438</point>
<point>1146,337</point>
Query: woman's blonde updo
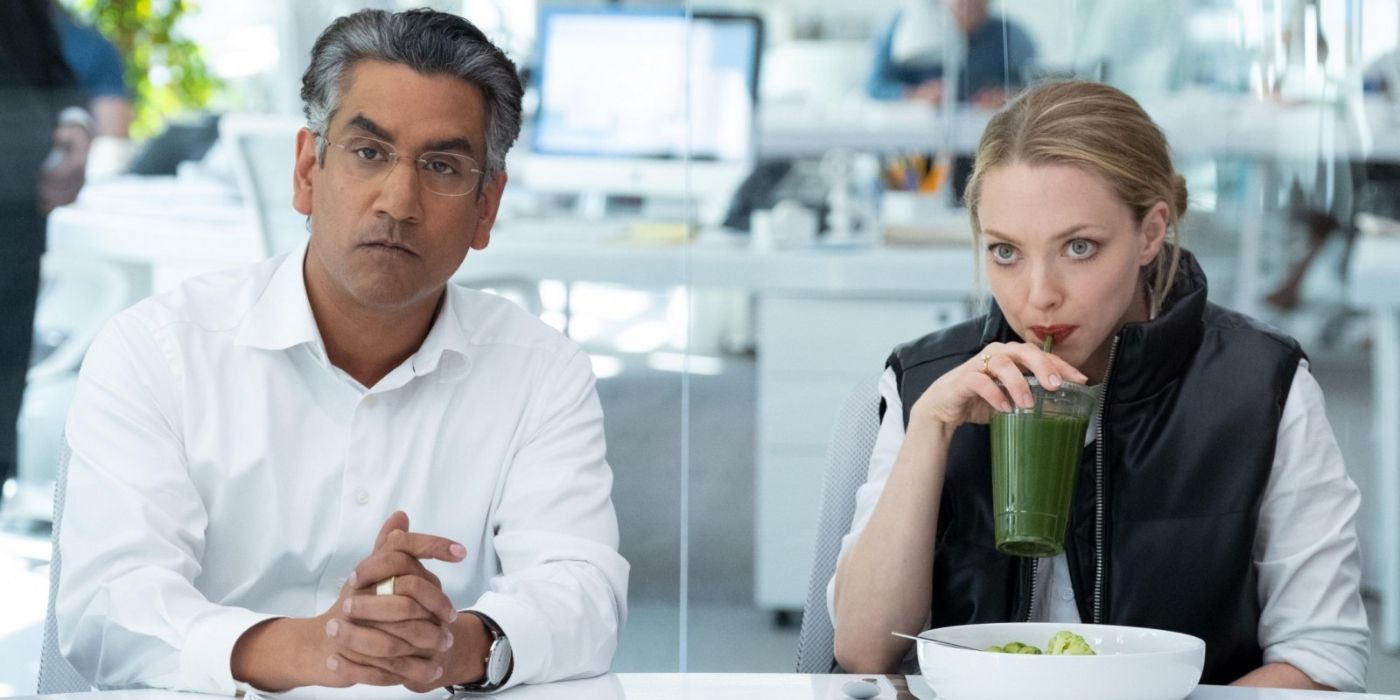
<point>1102,130</point>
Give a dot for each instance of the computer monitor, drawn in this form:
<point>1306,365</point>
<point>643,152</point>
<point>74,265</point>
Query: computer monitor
<point>616,114</point>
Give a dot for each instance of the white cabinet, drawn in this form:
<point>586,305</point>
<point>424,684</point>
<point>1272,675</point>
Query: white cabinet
<point>811,352</point>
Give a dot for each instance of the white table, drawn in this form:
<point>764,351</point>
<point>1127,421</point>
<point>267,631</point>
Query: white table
<point>1375,284</point>
<point>696,686</point>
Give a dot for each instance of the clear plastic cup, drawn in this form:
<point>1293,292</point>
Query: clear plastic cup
<point>1035,462</point>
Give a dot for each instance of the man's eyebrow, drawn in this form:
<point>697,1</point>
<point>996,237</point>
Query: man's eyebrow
<point>364,123</point>
<point>452,144</point>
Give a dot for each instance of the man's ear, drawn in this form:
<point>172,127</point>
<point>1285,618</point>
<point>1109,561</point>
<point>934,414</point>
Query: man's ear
<point>487,208</point>
<point>1154,231</point>
<point>304,171</point>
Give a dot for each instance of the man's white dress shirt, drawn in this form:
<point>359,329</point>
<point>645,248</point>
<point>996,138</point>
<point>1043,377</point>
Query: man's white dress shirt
<point>224,472</point>
<point>1305,550</point>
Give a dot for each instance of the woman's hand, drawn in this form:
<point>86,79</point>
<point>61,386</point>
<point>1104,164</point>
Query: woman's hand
<point>970,392</point>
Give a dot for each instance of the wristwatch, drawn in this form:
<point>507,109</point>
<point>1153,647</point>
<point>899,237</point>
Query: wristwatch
<point>497,662</point>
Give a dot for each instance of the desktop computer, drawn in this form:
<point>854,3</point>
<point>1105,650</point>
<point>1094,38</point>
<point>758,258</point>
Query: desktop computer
<point>647,103</point>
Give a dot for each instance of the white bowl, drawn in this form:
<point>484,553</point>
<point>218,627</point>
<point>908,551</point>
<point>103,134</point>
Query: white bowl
<point>1132,663</point>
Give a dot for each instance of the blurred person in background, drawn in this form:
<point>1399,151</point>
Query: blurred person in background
<point>909,57</point>
<point>996,57</point>
<point>44,136</point>
<point>97,65</point>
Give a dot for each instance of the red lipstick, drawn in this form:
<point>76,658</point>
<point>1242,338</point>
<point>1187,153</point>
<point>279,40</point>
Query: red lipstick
<point>1059,333</point>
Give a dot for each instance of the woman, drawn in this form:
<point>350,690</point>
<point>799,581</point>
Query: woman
<point>1212,500</point>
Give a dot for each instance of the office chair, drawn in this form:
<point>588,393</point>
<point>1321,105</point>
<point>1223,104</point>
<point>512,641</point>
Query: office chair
<point>56,675</point>
<point>264,151</point>
<point>76,298</point>
<point>847,461</point>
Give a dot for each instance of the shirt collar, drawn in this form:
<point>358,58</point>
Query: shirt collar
<point>447,346</point>
<point>281,318</point>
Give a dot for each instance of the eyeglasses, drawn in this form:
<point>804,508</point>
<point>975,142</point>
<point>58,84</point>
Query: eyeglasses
<point>447,174</point>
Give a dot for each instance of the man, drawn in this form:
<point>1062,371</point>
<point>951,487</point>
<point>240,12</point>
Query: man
<point>239,442</point>
<point>997,54</point>
<point>45,139</point>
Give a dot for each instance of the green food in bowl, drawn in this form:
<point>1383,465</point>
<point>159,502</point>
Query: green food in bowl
<point>1064,643</point>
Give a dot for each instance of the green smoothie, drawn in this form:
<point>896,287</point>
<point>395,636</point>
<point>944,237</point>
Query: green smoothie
<point>1035,459</point>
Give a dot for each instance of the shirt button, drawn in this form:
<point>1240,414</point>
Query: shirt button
<point>1066,595</point>
<point>361,496</point>
<point>370,401</point>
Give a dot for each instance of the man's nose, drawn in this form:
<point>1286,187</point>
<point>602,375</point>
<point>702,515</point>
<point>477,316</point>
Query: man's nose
<point>400,196</point>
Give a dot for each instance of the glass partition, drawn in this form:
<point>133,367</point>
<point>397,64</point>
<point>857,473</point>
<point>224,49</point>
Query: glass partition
<point>851,238</point>
<point>739,209</point>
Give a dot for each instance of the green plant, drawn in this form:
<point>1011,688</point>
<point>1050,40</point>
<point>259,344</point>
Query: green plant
<point>164,71</point>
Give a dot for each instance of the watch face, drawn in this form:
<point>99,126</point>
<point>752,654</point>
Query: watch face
<point>498,665</point>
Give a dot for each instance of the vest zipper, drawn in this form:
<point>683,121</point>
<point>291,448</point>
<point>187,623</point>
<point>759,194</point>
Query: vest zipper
<point>1099,494</point>
<point>1035,583</point>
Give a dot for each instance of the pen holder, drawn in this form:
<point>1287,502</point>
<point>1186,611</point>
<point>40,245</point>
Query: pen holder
<point>920,218</point>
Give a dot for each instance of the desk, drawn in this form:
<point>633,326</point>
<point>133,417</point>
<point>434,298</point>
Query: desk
<point>826,318</point>
<point>694,686</point>
<point>1375,284</point>
<point>1196,124</point>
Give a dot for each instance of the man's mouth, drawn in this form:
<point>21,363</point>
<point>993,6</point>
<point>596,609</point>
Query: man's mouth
<point>390,246</point>
<point>1059,333</point>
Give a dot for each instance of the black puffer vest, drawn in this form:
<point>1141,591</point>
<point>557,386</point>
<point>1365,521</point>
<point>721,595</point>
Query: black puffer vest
<point>1167,501</point>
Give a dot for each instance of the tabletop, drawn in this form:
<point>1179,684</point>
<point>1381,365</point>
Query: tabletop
<point>699,686</point>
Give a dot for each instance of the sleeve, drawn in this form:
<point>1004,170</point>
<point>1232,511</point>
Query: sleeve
<point>887,443</point>
<point>132,537</point>
<point>561,597</point>
<point>106,79</point>
<point>1306,550</point>
<point>882,83</point>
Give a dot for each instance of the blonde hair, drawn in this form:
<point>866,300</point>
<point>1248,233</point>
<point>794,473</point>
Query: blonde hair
<point>1105,132</point>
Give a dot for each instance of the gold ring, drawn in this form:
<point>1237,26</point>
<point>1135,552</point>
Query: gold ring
<point>385,587</point>
<point>986,358</point>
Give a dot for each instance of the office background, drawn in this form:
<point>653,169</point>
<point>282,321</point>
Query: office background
<point>727,324</point>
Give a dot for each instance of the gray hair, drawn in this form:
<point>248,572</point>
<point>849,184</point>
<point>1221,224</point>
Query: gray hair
<point>430,42</point>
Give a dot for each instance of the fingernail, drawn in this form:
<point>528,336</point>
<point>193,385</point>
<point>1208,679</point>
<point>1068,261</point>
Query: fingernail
<point>354,579</point>
<point>1005,407</point>
<point>1054,380</point>
<point>346,607</point>
<point>332,627</point>
<point>438,673</point>
<point>446,642</point>
<point>458,550</point>
<point>453,618</point>
<point>332,664</point>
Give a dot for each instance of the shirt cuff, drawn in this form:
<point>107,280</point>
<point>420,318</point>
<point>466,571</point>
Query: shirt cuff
<point>1322,667</point>
<point>78,116</point>
<point>207,659</point>
<point>528,635</point>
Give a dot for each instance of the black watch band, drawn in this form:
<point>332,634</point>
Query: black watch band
<point>497,664</point>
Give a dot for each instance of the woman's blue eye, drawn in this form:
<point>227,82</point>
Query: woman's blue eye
<point>1081,248</point>
<point>1002,253</point>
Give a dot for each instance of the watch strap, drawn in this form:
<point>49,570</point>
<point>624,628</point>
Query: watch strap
<point>498,637</point>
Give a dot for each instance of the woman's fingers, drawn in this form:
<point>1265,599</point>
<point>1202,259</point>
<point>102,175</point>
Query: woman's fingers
<point>988,390</point>
<point>1005,368</point>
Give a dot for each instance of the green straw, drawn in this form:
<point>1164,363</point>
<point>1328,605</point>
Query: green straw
<point>1049,342</point>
